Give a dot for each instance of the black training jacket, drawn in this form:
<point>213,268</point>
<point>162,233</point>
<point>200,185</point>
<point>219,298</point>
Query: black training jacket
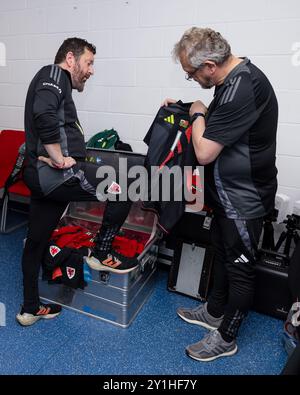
<point>50,117</point>
<point>170,147</point>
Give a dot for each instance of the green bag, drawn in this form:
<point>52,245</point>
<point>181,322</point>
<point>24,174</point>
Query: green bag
<point>105,139</point>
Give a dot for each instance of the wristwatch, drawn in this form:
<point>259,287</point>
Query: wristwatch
<point>196,115</point>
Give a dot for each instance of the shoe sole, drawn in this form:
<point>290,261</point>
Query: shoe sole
<point>32,320</point>
<point>225,354</point>
<point>97,265</point>
<point>199,323</point>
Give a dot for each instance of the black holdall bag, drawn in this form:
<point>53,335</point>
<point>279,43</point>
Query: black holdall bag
<point>272,296</point>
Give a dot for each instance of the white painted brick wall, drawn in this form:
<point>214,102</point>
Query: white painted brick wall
<point>67,18</point>
<point>134,69</point>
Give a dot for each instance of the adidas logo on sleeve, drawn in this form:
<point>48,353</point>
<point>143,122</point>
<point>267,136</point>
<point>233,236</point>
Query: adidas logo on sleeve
<point>241,259</point>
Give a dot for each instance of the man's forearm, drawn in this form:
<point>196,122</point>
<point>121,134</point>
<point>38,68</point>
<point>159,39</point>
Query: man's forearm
<point>55,154</point>
<point>198,128</point>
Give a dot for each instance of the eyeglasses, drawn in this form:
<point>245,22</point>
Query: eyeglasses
<point>190,76</point>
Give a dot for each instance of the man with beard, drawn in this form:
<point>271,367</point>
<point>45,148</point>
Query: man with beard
<point>235,138</point>
<point>56,171</point>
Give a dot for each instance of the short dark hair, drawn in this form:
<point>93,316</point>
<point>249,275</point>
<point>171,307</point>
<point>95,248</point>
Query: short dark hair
<point>75,45</point>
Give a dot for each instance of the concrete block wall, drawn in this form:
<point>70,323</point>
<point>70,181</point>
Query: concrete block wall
<point>134,70</point>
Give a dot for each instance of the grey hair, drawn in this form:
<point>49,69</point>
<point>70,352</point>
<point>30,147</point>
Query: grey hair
<point>201,44</point>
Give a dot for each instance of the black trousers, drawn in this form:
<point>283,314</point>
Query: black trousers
<point>235,244</point>
<point>45,214</point>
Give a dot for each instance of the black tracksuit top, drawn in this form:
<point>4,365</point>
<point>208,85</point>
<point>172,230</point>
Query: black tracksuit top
<point>50,117</point>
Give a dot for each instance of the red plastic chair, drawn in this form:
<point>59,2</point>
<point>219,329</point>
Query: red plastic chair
<point>10,141</point>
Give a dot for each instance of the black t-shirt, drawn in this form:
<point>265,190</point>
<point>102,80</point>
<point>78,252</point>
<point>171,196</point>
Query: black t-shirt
<point>241,183</point>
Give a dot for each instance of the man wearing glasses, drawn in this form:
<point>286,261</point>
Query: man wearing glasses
<point>235,138</point>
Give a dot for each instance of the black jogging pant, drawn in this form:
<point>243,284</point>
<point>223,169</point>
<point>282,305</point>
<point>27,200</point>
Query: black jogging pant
<point>45,214</point>
<point>235,244</point>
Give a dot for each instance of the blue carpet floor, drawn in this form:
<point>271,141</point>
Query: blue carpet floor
<point>153,344</point>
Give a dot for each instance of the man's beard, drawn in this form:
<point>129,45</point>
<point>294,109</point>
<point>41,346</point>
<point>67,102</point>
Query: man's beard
<point>77,79</point>
<point>207,84</point>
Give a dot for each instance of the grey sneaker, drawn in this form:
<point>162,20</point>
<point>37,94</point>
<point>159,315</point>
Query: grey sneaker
<point>212,346</point>
<point>200,316</point>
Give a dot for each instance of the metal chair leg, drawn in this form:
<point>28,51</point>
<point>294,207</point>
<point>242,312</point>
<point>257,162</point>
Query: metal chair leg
<point>4,214</point>
<point>3,228</point>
